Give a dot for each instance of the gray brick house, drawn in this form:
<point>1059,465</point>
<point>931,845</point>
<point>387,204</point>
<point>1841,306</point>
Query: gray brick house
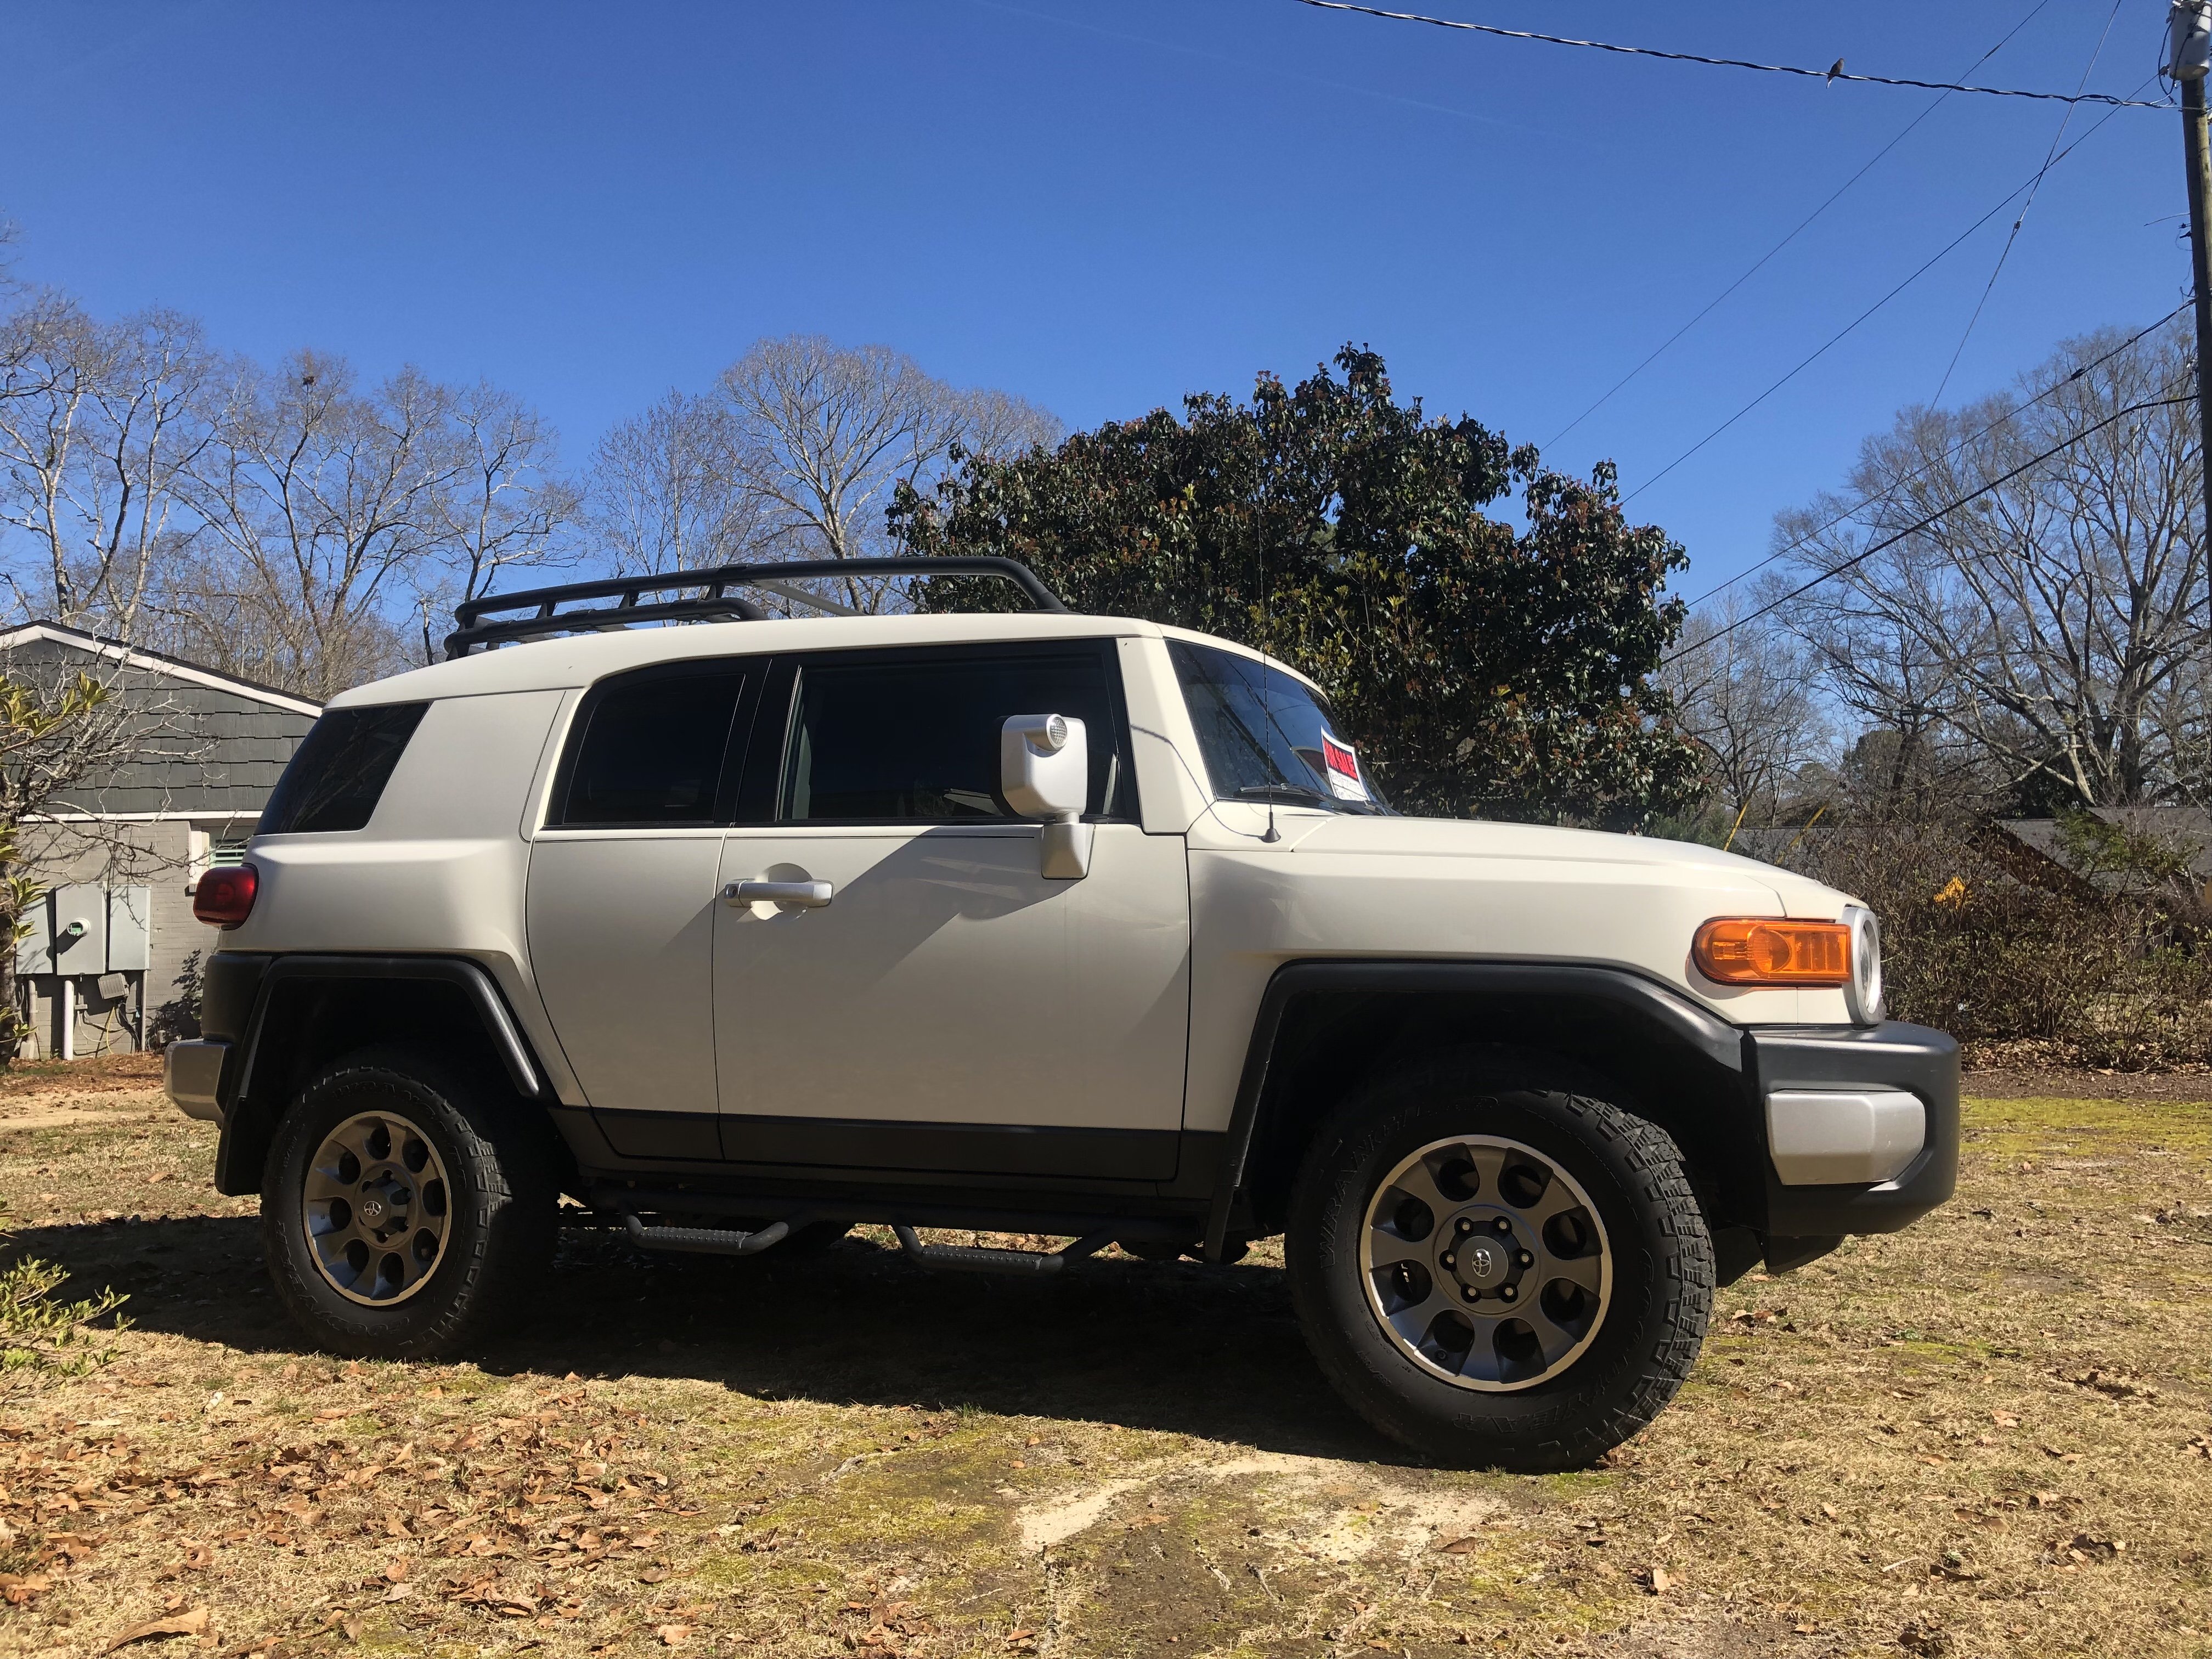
<point>120,853</point>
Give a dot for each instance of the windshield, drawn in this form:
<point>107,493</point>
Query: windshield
<point>1267,736</point>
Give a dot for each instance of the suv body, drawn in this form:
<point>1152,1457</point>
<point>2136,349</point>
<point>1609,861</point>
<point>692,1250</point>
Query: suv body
<point>521,866</point>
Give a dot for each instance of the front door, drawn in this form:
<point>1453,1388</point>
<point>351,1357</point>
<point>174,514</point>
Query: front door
<point>950,1008</point>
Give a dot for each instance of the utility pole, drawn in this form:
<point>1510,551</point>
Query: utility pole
<point>2188,57</point>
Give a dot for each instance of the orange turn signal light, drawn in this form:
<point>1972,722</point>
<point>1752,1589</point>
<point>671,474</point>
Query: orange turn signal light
<point>1773,950</point>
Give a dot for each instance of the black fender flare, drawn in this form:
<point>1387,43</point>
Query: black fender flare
<point>469,977</point>
<point>1636,995</point>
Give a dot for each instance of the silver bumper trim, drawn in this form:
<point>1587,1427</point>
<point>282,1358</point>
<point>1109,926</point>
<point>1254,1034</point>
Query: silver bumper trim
<point>1827,1137</point>
<point>192,1074</point>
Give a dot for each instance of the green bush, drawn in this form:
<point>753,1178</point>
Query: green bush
<point>39,1332</point>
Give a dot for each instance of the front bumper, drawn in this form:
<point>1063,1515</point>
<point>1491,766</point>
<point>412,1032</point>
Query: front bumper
<point>1871,1077</point>
<point>192,1076</point>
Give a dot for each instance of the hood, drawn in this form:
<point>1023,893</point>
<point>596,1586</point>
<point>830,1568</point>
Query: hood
<point>1324,834</point>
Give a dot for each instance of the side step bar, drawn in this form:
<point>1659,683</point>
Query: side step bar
<point>973,1259</point>
<point>705,1240</point>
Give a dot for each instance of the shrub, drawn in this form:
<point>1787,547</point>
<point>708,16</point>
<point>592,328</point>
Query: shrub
<point>179,1018</point>
<point>2104,980</point>
<point>39,1332</point>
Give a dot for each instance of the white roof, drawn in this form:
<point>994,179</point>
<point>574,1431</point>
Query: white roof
<point>581,660</point>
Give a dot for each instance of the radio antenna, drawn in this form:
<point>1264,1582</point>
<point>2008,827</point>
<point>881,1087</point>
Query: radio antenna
<point>1266,689</point>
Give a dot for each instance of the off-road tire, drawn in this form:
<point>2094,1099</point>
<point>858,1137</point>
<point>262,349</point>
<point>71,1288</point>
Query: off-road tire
<point>502,1198</point>
<point>1661,1262</point>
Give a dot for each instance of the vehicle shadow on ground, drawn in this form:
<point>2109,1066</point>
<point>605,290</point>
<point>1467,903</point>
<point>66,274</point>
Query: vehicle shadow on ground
<point>1211,1352</point>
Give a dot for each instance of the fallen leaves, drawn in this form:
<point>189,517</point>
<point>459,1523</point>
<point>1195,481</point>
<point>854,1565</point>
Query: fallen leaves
<point>2087,1546</point>
<point>673,1635</point>
<point>191,1622</point>
<point>16,1588</point>
<point>2121,1385</point>
<point>1658,1580</point>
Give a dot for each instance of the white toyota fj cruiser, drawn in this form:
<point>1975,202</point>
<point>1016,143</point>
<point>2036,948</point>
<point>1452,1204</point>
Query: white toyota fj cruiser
<point>1031,922</point>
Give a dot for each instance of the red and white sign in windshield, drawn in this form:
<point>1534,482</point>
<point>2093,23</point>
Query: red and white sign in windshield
<point>1343,768</point>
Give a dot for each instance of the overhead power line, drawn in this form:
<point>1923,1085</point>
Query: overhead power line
<point>1866,501</point>
<point>2027,207</point>
<point>1915,528</point>
<point>1835,339</point>
<point>1829,76</point>
<point>1761,263</point>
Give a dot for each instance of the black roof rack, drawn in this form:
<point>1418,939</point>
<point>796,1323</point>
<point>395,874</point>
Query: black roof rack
<point>711,601</point>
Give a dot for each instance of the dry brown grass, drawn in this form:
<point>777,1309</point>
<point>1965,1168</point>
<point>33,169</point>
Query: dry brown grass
<point>1932,1443</point>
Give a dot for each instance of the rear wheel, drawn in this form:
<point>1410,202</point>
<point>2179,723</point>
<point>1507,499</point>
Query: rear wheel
<point>1496,1270</point>
<point>405,1211</point>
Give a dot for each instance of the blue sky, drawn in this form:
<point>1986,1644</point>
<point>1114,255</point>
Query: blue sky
<point>1102,206</point>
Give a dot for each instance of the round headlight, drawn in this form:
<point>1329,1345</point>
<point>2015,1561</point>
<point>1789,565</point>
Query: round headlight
<point>1863,990</point>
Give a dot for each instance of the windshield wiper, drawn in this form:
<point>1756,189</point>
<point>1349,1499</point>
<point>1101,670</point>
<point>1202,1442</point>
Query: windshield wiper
<point>1288,795</point>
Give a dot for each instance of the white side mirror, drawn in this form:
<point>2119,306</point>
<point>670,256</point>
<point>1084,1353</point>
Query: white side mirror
<point>1044,772</point>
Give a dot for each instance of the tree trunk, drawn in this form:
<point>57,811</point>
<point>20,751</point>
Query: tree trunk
<point>13,1029</point>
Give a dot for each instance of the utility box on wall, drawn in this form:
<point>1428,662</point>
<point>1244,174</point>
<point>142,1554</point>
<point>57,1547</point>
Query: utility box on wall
<point>85,960</point>
<point>129,930</point>
<point>76,930</point>
<point>88,929</point>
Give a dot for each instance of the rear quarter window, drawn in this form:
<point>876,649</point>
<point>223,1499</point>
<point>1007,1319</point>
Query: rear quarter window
<point>650,749</point>
<point>339,772</point>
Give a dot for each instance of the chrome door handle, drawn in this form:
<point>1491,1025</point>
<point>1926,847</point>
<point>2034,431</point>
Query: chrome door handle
<point>794,894</point>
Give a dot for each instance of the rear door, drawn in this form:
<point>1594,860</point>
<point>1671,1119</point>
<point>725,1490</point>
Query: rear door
<point>950,1008</point>
<point>622,885</point>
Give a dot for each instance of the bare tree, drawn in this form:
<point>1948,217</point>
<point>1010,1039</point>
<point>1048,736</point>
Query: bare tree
<point>507,507</point>
<point>2051,622</point>
<point>327,509</point>
<point>99,426</point>
<point>1744,695</point>
<point>823,434</point>
<point>667,491</point>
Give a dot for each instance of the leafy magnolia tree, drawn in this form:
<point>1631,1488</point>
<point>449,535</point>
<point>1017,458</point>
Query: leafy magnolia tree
<point>1482,670</point>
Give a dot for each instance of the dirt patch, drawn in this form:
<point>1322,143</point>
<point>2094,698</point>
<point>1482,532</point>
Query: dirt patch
<point>1990,1435</point>
<point>2013,1083</point>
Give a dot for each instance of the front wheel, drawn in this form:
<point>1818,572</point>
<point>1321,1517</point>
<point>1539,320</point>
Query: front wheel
<point>404,1214</point>
<point>1493,1271</point>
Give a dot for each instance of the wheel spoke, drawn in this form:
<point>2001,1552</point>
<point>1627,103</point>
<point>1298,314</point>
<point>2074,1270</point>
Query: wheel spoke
<point>1587,1272</point>
<point>1482,1363</point>
<point>1412,1323</point>
<point>1556,1340</point>
<point>1418,1181</point>
<point>1386,1249</point>
<point>1489,1163</point>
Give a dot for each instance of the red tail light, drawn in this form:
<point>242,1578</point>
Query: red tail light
<point>225,895</point>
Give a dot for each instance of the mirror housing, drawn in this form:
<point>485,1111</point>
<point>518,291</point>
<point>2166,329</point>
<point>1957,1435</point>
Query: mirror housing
<point>1044,772</point>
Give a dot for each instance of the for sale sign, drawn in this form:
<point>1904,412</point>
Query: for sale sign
<point>1342,765</point>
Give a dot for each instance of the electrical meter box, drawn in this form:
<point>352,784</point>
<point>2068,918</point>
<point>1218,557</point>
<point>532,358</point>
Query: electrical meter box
<point>76,930</point>
<point>130,929</point>
<point>87,929</point>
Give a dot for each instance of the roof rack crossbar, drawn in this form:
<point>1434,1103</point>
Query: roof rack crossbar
<point>715,602</point>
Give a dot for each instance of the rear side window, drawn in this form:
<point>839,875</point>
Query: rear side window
<point>650,751</point>
<point>339,770</point>
<point>916,740</point>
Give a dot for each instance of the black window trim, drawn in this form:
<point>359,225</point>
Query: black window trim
<point>760,802</point>
<point>757,669</point>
